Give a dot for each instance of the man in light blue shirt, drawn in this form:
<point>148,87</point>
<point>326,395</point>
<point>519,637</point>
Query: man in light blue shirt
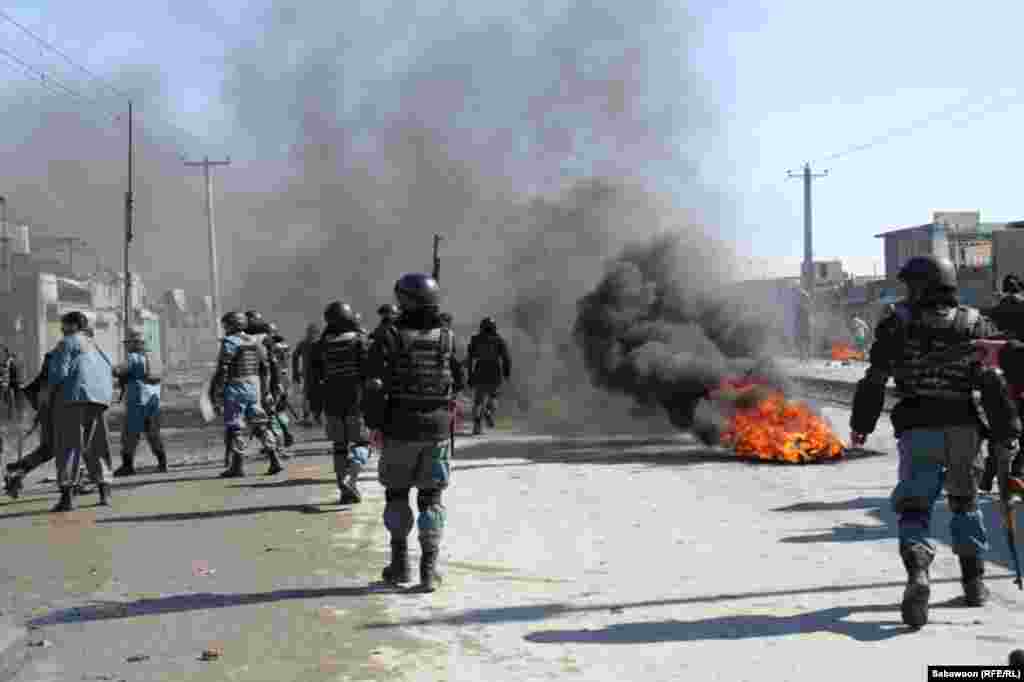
<point>83,384</point>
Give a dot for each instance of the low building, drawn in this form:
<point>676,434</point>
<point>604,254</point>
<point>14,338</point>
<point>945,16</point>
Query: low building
<point>188,330</point>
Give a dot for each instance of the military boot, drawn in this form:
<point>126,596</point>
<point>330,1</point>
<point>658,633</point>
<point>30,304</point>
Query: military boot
<point>430,579</point>
<point>972,572</point>
<point>65,504</point>
<point>161,462</point>
<point>104,489</point>
<point>398,571</point>
<point>127,467</point>
<point>489,417</point>
<point>349,489</point>
<point>275,462</point>
<point>237,468</point>
<point>477,427</point>
<point>914,607</point>
<point>13,483</point>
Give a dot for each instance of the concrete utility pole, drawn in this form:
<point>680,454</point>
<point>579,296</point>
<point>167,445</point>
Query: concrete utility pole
<point>808,270</point>
<point>6,239</point>
<point>205,164</point>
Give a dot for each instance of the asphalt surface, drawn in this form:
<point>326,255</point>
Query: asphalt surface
<point>615,557</point>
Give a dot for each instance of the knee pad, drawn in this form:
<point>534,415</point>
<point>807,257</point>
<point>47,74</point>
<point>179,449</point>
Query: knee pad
<point>962,504</point>
<point>358,455</point>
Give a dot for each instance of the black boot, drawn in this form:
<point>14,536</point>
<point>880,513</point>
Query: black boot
<point>349,490</point>
<point>161,462</point>
<point>104,489</point>
<point>237,469</point>
<point>477,427</point>
<point>127,467</point>
<point>65,504</point>
<point>398,571</point>
<point>13,483</point>
<point>972,572</point>
<point>914,608</point>
<point>430,579</point>
<point>275,463</point>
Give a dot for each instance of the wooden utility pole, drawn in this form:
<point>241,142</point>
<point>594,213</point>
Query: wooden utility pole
<point>129,208</point>
<point>206,164</point>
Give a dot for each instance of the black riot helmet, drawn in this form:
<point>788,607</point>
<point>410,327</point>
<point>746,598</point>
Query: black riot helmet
<point>340,315</point>
<point>272,328</point>
<point>488,326</point>
<point>388,310</point>
<point>233,321</point>
<point>416,291</point>
<point>253,316</point>
<point>930,279</point>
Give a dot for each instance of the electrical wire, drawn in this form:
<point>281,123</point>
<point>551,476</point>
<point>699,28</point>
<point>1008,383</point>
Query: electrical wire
<point>947,113</point>
<point>5,16</point>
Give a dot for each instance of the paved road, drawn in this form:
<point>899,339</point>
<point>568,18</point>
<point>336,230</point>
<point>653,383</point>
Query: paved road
<point>620,558</point>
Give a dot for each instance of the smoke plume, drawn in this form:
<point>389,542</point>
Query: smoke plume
<point>659,329</point>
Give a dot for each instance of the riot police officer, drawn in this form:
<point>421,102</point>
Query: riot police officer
<point>414,375</point>
<point>237,386</point>
<point>489,365</point>
<point>338,363</point>
<point>936,424</point>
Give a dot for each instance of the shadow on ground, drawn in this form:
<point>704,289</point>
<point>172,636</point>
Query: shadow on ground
<point>536,612</point>
<point>111,610</point>
<point>750,626</point>
<point>885,525</point>
<point>222,513</point>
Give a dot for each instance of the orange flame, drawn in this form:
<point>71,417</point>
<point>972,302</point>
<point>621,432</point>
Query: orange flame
<point>777,429</point>
<point>843,351</point>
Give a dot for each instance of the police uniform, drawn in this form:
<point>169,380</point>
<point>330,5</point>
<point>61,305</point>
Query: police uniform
<point>338,365</point>
<point>142,408</point>
<point>938,430</point>
<point>417,366</point>
<point>240,363</point>
<point>489,365</point>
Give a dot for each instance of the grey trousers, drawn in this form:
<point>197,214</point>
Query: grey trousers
<point>83,434</point>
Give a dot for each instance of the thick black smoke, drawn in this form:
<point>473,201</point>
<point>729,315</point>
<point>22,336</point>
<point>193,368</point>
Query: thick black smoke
<point>525,133</point>
<point>659,329</point>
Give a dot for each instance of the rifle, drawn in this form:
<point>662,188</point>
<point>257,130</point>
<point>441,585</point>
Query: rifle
<point>436,273</point>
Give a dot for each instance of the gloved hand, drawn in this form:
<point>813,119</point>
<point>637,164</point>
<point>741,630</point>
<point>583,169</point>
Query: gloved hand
<point>857,440</point>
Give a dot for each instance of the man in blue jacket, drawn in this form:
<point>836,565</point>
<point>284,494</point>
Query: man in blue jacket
<point>142,405</point>
<point>82,378</point>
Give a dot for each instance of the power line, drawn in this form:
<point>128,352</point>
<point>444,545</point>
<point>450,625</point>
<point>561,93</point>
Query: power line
<point>50,79</point>
<point>69,60</point>
<point>947,113</point>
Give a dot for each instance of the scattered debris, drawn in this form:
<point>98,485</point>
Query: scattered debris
<point>211,654</point>
<point>202,568</point>
<point>42,643</point>
<point>137,658</point>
